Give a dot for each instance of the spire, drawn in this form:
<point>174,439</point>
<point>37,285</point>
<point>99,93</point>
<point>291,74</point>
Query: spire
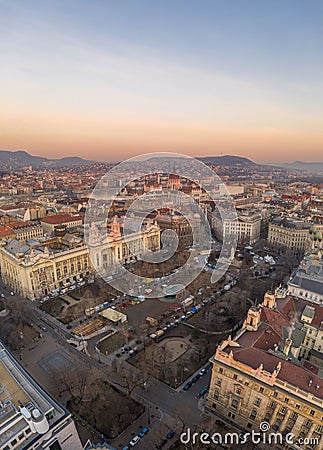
<point>115,229</point>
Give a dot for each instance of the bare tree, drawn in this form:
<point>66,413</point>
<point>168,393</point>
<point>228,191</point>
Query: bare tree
<point>74,381</point>
<point>130,379</point>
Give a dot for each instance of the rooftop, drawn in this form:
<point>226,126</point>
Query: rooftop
<point>266,346</point>
<point>61,218</point>
<point>19,393</point>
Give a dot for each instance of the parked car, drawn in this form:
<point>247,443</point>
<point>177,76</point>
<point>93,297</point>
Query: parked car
<point>2,295</point>
<point>12,293</point>
<point>187,385</point>
<point>194,379</point>
<point>143,432</point>
<point>134,441</point>
<point>126,447</point>
<point>170,434</point>
<point>203,392</point>
<point>202,372</point>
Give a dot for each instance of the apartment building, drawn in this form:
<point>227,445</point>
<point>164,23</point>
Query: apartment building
<point>289,236</point>
<point>57,221</point>
<point>29,417</point>
<point>260,375</point>
<point>307,281</point>
<point>246,226</point>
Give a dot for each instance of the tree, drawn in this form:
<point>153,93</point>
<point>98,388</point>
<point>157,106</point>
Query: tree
<point>130,378</point>
<point>74,381</point>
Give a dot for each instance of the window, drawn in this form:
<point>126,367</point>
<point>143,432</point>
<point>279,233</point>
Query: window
<point>286,400</point>
<point>253,414</point>
<point>319,429</point>
<point>21,436</point>
<point>221,370</point>
<point>312,412</point>
<point>235,376</point>
<point>294,416</point>
<point>13,442</point>
<point>216,394</point>
<point>28,431</point>
<point>234,404</point>
<point>261,389</point>
<point>238,390</point>
<point>307,423</point>
<point>283,410</point>
<point>297,406</point>
<point>257,401</point>
<point>218,382</point>
<point>275,394</point>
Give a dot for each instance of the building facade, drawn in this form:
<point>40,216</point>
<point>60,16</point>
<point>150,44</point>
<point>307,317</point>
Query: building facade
<point>246,227</point>
<point>36,268</point>
<point>260,376</point>
<point>289,237</point>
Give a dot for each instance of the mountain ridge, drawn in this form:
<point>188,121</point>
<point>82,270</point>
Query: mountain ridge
<point>20,158</point>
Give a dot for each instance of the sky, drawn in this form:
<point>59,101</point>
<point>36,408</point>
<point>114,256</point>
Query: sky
<point>106,79</point>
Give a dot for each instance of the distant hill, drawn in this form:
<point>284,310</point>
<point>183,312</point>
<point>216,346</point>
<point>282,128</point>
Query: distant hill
<point>302,166</point>
<point>227,160</point>
<point>19,159</point>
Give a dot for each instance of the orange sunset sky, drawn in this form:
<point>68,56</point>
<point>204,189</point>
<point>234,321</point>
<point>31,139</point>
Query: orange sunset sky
<point>110,80</point>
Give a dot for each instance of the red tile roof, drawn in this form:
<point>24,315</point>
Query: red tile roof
<point>60,219</point>
<point>257,347</point>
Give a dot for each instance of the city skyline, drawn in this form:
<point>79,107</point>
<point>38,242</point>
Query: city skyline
<point>110,81</point>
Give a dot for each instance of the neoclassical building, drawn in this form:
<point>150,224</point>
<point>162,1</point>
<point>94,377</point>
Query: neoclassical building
<point>36,267</point>
<point>117,247</point>
<point>261,376</point>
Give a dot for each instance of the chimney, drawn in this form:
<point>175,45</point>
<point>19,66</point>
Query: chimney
<point>287,346</point>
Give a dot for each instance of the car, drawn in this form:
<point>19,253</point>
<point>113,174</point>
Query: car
<point>126,447</point>
<point>187,385</point>
<point>203,391</point>
<point>170,434</point>
<point>12,293</point>
<point>43,328</point>
<point>143,432</point>
<point>202,372</point>
<point>194,379</point>
<point>2,295</point>
<point>134,441</point>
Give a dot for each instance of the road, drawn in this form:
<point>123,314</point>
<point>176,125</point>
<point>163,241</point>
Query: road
<point>166,408</point>
<point>172,409</point>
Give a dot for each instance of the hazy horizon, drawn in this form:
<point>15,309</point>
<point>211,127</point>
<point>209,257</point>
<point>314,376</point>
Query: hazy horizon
<point>111,80</point>
<point>67,155</point>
